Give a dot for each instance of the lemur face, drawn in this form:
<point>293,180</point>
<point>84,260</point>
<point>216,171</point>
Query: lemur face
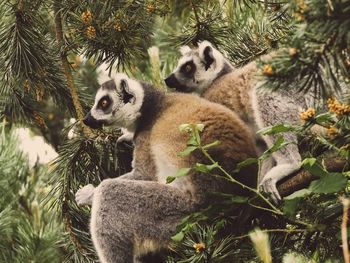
<point>196,69</point>
<point>117,102</point>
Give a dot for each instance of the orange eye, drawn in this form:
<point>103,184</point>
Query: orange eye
<point>188,68</point>
<point>104,103</point>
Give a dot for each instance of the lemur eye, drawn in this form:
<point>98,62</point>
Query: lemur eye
<point>188,68</point>
<point>104,103</point>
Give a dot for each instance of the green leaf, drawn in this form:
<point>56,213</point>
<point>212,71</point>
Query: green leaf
<point>245,163</point>
<point>276,129</point>
<point>311,165</point>
<point>192,141</point>
<point>298,194</point>
<point>324,117</point>
<point>199,127</point>
<point>187,151</point>
<point>205,168</point>
<point>170,179</point>
<point>178,237</point>
<point>215,143</point>
<point>185,127</point>
<point>290,207</point>
<point>309,161</point>
<point>180,173</point>
<point>279,143</point>
<point>331,183</point>
<point>239,199</point>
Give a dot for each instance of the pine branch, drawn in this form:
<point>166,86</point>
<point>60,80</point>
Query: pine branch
<point>30,73</point>
<point>67,71</point>
<point>198,23</point>
<point>82,161</point>
<point>319,62</point>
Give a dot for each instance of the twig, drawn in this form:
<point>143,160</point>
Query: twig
<point>344,234</point>
<point>198,23</point>
<point>233,180</point>
<point>195,13</point>
<point>67,71</point>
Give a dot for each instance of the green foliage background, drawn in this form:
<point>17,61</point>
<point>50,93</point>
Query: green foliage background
<point>39,219</point>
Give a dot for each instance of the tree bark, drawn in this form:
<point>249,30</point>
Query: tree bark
<point>302,178</point>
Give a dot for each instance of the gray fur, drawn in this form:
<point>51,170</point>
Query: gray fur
<point>108,85</point>
<point>271,108</point>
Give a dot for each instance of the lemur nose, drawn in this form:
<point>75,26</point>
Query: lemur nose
<point>170,81</point>
<point>90,121</point>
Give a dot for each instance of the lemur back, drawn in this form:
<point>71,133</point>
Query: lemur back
<point>220,124</point>
<point>234,90</point>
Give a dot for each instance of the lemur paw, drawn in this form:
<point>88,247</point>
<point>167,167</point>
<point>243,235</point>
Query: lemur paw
<point>269,185</point>
<point>125,138</point>
<point>85,195</point>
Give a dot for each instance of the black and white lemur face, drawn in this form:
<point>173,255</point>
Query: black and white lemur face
<point>117,102</point>
<point>197,68</point>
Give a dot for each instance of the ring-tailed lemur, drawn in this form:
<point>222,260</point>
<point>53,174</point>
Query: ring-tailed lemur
<point>205,71</point>
<point>138,212</point>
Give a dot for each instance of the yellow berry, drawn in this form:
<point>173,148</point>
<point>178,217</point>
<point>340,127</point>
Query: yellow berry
<point>332,131</point>
<point>308,114</point>
<point>87,16</point>
<point>199,247</point>
<point>267,70</point>
<point>91,32</point>
<point>118,27</point>
<point>338,108</point>
<point>26,85</point>
<point>299,16</point>
<point>50,116</point>
<point>150,8</point>
<point>293,52</point>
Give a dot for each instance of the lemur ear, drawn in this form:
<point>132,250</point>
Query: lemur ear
<point>206,53</point>
<point>184,50</point>
<point>125,92</point>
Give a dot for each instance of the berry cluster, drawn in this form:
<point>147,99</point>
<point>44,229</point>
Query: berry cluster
<point>150,8</point>
<point>199,247</point>
<point>87,17</point>
<point>267,70</point>
<point>91,32</point>
<point>118,27</point>
<point>338,108</point>
<point>308,114</point>
<point>332,131</point>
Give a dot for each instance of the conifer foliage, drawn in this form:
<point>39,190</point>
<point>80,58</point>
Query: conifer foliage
<point>29,230</point>
<point>49,52</point>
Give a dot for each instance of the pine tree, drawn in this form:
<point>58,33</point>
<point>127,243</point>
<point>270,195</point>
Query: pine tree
<point>45,83</point>
<point>30,231</point>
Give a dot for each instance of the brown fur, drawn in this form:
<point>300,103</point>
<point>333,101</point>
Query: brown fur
<point>233,90</point>
<point>221,124</point>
